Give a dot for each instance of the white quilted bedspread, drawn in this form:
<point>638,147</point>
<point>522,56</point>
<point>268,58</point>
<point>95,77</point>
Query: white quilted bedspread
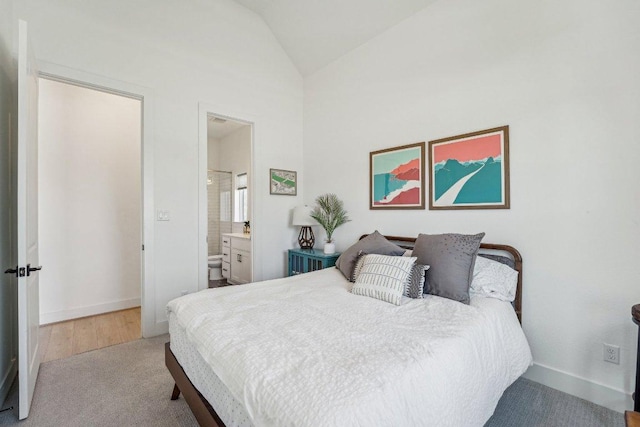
<point>304,351</point>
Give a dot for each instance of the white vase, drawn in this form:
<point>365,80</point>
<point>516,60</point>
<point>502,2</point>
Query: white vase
<point>329,248</point>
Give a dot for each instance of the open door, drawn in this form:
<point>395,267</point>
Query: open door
<point>27,222</point>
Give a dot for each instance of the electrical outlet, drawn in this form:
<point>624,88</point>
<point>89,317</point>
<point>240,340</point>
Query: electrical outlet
<point>163,215</point>
<point>611,353</point>
<point>184,293</point>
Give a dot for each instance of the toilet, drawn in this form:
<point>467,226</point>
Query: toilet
<point>215,267</point>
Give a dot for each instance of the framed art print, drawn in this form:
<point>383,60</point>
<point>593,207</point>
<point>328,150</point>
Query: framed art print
<point>396,177</point>
<point>283,182</point>
<point>470,171</point>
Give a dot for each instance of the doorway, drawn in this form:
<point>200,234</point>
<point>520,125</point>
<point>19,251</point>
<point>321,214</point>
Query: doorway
<point>226,227</point>
<point>228,201</point>
<point>90,216</point>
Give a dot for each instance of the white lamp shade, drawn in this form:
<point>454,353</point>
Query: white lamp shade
<point>301,216</point>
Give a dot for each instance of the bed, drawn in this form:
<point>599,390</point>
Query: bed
<point>304,351</point>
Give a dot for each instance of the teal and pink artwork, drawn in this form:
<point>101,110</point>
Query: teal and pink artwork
<point>470,171</point>
<point>397,177</point>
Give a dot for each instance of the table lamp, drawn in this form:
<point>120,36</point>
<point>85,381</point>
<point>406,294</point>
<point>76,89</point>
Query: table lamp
<point>302,218</point>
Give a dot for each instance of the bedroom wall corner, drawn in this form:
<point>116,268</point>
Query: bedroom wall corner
<point>607,396</point>
<point>563,75</point>
<point>248,71</point>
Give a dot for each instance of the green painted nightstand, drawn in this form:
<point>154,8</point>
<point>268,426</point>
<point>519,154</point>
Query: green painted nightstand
<point>306,260</point>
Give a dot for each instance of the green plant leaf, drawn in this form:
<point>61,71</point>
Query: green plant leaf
<point>330,213</point>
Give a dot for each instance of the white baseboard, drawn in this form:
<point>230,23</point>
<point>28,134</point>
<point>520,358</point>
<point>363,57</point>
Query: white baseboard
<point>162,328</point>
<point>7,379</point>
<point>90,310</point>
<point>600,394</point>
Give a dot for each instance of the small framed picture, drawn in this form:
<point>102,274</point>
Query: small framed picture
<point>396,177</point>
<point>470,171</point>
<point>283,182</point>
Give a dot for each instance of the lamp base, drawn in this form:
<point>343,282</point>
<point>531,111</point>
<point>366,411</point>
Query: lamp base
<point>305,238</point>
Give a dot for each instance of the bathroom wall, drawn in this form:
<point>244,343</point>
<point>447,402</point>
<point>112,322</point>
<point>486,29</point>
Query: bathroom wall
<point>230,153</point>
<point>219,213</point>
<point>235,156</point>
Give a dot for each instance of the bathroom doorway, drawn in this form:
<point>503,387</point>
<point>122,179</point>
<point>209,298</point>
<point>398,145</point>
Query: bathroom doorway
<point>229,145</point>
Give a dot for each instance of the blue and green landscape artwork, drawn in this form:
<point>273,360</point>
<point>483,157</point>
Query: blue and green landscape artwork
<point>468,172</point>
<point>397,177</point>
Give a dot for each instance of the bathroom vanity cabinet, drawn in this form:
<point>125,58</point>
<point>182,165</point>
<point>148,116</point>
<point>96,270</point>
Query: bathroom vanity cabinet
<point>236,258</point>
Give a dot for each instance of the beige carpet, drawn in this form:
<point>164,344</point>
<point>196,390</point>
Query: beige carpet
<point>128,385</point>
<point>122,385</point>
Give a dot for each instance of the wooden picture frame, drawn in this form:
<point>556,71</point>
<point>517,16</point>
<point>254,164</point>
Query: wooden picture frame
<point>283,182</point>
<point>470,171</point>
<point>396,177</point>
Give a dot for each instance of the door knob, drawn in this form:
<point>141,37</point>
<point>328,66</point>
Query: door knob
<point>30,269</point>
<point>12,271</point>
<point>18,271</point>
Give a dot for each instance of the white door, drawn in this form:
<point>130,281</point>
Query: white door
<point>27,219</point>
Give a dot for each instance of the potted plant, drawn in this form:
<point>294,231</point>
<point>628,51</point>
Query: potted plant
<point>330,214</point>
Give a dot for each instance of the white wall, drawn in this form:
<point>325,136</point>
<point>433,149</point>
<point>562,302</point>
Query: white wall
<point>564,76</point>
<point>90,201</point>
<point>212,51</point>
<point>213,153</point>
<point>232,153</point>
<point>8,294</point>
<point>235,156</point>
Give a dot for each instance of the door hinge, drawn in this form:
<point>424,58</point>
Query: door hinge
<point>143,247</point>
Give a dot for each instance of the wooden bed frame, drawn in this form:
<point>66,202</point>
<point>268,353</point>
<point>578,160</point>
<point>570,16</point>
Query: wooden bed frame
<point>202,409</point>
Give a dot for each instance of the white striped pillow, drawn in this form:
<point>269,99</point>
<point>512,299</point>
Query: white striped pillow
<point>383,277</point>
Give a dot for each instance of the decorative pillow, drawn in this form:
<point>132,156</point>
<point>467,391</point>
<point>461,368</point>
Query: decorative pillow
<point>384,277</point>
<point>415,284</point>
<point>451,258</point>
<point>357,266</point>
<point>374,243</point>
<point>493,279</point>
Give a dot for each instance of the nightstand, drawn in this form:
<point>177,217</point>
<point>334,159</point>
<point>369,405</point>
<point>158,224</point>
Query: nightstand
<point>306,260</point>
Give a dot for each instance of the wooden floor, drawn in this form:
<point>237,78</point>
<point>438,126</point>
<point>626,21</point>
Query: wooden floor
<point>64,339</point>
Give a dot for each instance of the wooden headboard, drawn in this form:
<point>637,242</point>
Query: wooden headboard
<point>491,248</point>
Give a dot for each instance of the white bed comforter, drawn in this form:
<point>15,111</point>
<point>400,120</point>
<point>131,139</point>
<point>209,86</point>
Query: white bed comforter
<point>303,351</point>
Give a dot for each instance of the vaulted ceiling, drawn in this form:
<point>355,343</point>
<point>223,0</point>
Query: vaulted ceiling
<point>315,33</point>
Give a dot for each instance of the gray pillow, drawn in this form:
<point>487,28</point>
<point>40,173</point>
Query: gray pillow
<point>374,243</point>
<point>452,258</point>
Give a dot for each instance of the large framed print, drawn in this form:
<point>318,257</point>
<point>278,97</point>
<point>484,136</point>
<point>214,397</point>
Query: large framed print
<point>470,171</point>
<point>396,177</point>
